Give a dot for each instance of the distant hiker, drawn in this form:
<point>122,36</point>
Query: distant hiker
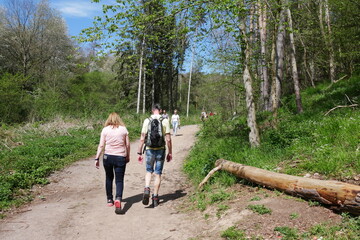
<point>175,120</point>
<point>155,134</point>
<point>164,114</point>
<point>203,115</point>
<point>211,114</point>
<point>115,138</point>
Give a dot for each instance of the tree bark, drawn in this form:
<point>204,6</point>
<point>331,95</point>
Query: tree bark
<point>254,137</point>
<point>293,64</point>
<point>144,88</point>
<point>190,75</point>
<point>327,37</point>
<point>140,76</point>
<point>263,66</point>
<point>279,58</point>
<point>338,195</point>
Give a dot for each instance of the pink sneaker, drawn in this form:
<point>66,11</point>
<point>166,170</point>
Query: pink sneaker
<point>118,206</point>
<point>110,203</point>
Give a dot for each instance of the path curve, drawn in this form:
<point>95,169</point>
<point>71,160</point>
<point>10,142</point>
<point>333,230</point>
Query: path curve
<point>73,205</point>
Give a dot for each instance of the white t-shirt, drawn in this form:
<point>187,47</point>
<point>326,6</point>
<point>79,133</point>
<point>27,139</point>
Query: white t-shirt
<point>175,118</point>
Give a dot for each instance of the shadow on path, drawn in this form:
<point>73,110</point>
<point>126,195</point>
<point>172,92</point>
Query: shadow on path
<point>172,196</point>
<point>130,201</point>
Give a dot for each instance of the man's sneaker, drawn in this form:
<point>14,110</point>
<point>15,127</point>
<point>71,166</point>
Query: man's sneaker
<point>117,206</point>
<point>110,202</point>
<point>155,201</point>
<point>146,196</point>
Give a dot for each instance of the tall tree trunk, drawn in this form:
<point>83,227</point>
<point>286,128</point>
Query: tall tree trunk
<point>279,59</point>
<point>140,75</point>
<point>331,47</point>
<point>263,66</point>
<point>144,88</point>
<point>293,64</point>
<point>273,72</point>
<point>153,87</point>
<point>254,137</point>
<point>327,37</point>
<point>190,75</point>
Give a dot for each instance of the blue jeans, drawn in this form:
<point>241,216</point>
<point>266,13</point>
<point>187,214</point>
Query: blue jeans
<point>175,126</point>
<point>155,158</point>
<point>114,164</point>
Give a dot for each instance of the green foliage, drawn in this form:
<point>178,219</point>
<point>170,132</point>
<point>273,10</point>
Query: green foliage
<point>260,209</point>
<point>309,142</point>
<point>14,100</point>
<point>45,148</point>
<point>294,215</point>
<point>211,196</point>
<point>233,233</point>
<point>256,198</point>
<point>287,232</point>
<point>348,229</point>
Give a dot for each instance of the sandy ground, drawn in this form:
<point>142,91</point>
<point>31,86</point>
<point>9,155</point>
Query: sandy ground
<point>73,206</point>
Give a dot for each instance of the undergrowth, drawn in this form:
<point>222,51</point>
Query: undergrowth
<point>300,144</point>
<point>31,152</point>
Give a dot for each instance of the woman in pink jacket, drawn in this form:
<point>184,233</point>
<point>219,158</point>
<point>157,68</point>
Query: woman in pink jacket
<point>115,138</point>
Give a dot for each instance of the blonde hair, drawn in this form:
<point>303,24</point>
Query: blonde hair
<point>114,120</point>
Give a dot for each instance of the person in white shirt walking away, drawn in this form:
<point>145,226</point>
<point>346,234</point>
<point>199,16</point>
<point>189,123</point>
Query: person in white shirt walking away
<point>175,120</point>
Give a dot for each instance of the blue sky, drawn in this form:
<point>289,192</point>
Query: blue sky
<point>78,14</point>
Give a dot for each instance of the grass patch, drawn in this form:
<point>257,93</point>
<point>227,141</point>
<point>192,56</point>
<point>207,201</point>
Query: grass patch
<point>260,209</point>
<point>211,195</point>
<point>294,216</point>
<point>287,233</point>
<point>232,233</point>
<point>348,229</point>
<point>256,198</point>
<point>31,152</point>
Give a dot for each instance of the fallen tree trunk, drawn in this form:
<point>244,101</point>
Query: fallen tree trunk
<point>337,195</point>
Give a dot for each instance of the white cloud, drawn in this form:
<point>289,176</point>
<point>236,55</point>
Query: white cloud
<point>84,9</point>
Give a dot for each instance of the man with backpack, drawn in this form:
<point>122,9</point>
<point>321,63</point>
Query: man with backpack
<point>155,134</point>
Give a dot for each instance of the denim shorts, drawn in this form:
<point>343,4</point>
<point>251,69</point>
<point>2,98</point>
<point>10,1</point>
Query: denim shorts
<point>155,158</point>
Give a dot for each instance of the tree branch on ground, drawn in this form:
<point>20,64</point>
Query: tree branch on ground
<point>340,106</point>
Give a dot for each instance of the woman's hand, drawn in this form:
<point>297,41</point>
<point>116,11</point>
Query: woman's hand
<point>127,159</point>
<point>97,163</point>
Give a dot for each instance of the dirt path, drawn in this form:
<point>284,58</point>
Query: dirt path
<point>73,206</point>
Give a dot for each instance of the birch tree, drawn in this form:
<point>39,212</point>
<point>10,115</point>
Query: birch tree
<point>254,137</point>
<point>140,75</point>
<point>294,68</point>
<point>263,65</point>
<point>279,60</point>
<point>324,6</point>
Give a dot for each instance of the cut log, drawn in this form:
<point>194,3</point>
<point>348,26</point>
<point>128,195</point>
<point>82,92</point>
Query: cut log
<point>337,195</point>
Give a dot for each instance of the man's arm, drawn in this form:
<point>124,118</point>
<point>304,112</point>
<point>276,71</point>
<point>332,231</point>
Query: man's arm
<point>142,140</point>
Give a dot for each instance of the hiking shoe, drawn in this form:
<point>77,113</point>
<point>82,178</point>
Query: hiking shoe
<point>146,196</point>
<point>155,201</point>
<point>117,206</point>
<point>110,202</point>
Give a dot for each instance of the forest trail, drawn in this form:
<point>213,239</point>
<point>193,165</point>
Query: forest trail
<point>73,205</point>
